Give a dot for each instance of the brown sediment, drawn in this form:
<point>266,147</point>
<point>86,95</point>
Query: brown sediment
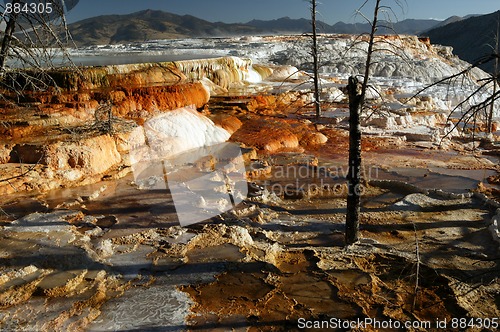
<point>228,122</point>
<point>273,135</point>
<point>141,103</point>
<point>380,286</point>
<point>290,264</point>
<point>319,283</point>
<point>107,77</point>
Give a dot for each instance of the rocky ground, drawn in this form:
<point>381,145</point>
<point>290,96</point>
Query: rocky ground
<point>84,248</point>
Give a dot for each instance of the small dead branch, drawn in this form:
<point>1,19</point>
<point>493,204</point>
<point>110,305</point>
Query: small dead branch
<point>2,211</point>
<point>417,258</point>
<point>30,169</point>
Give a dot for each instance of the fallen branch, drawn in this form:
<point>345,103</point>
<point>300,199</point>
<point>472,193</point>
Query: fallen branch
<point>417,254</point>
<point>31,168</point>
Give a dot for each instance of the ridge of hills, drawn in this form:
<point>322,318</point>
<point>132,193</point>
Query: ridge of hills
<point>150,25</point>
<point>155,24</point>
<point>471,38</point>
<point>286,24</point>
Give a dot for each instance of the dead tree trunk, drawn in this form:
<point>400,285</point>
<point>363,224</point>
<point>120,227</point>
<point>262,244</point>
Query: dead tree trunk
<point>357,93</point>
<point>489,121</point>
<point>354,175</point>
<point>317,103</point>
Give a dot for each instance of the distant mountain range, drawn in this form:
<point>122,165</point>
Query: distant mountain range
<point>150,25</point>
<point>471,38</point>
<point>155,24</point>
<point>287,25</point>
<point>452,19</point>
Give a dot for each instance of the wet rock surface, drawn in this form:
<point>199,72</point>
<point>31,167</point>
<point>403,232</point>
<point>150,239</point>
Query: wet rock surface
<point>262,266</point>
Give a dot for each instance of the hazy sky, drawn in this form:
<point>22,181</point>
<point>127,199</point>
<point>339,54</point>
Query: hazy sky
<point>331,11</point>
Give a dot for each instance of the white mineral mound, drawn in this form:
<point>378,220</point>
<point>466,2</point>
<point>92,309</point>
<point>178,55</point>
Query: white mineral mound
<point>173,133</point>
<point>182,130</point>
